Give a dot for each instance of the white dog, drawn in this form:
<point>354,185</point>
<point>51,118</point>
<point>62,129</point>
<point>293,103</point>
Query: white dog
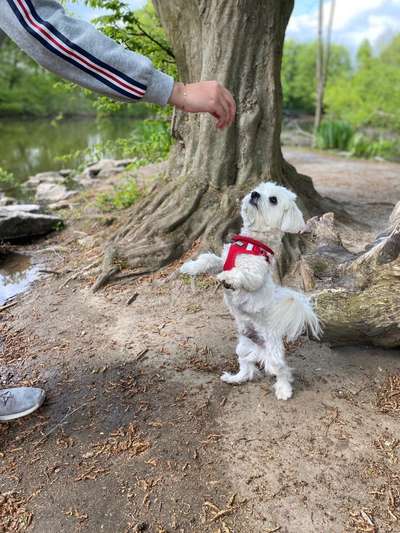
<point>265,313</point>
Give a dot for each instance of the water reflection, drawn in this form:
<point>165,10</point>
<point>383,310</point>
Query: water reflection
<point>16,274</point>
<point>31,146</point>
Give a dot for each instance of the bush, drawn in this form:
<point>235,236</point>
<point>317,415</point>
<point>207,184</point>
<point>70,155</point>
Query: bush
<point>149,142</point>
<point>125,196</point>
<point>334,135</point>
<point>362,146</point>
<point>7,179</point>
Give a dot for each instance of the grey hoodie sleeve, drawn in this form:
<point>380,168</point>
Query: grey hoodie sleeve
<point>76,51</point>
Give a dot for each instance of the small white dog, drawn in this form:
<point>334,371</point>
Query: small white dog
<point>265,313</point>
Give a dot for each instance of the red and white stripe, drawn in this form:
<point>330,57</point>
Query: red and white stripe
<point>45,33</point>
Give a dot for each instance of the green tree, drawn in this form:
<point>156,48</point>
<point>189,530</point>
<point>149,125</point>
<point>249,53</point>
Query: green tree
<point>298,73</point>
<point>391,52</point>
<point>371,97</point>
<point>27,89</point>
<point>364,54</point>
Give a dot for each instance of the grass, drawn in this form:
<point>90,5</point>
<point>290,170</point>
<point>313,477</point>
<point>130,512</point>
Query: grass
<point>334,135</point>
<point>339,135</point>
<point>7,179</point>
<point>124,196</point>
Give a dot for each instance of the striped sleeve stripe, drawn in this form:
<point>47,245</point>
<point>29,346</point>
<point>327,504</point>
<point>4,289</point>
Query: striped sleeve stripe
<point>54,41</point>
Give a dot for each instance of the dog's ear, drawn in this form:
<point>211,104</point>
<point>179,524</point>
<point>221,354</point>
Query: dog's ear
<point>292,220</point>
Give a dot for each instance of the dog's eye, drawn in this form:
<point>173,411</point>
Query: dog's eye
<point>273,200</point>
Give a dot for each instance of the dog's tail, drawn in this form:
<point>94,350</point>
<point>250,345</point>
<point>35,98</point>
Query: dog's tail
<point>291,314</point>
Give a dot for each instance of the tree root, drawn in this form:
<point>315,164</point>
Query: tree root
<point>108,269</point>
<point>357,296</point>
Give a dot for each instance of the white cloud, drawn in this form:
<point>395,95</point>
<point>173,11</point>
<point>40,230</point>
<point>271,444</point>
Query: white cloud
<point>354,21</point>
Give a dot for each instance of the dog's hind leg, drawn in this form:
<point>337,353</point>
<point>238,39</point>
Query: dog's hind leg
<point>275,364</point>
<point>248,355</point>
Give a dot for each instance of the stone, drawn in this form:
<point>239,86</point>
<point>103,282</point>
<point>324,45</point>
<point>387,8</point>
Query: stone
<point>16,224</point>
<point>26,208</point>
<point>44,177</point>
<point>105,168</point>
<point>62,204</point>
<point>6,200</point>
<point>52,192</point>
<point>65,172</point>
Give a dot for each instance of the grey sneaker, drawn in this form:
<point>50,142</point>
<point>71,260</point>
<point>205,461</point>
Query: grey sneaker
<point>20,401</point>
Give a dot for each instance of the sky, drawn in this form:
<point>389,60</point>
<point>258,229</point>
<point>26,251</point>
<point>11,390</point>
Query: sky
<point>354,20</point>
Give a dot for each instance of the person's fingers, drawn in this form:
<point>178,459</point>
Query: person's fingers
<point>219,110</point>
<point>226,111</point>
<point>229,101</point>
<point>232,105</point>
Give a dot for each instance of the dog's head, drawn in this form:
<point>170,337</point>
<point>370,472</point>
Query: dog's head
<point>271,206</point>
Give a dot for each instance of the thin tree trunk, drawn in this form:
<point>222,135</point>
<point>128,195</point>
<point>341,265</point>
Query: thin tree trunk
<point>327,51</point>
<point>319,71</point>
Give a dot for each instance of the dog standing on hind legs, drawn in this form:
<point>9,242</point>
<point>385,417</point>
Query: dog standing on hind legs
<point>265,313</point>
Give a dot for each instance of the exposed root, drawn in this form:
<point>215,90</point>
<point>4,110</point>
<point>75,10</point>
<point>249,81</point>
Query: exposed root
<point>108,269</point>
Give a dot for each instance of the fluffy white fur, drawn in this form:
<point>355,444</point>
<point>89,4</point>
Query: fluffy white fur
<point>265,313</point>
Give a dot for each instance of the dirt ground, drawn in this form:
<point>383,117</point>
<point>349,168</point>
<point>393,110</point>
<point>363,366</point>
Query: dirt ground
<point>139,434</point>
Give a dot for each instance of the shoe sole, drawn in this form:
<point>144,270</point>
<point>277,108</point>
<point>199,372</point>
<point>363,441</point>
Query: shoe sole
<point>15,416</point>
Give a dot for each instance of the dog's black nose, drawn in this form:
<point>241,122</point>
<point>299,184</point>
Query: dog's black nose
<point>254,197</point>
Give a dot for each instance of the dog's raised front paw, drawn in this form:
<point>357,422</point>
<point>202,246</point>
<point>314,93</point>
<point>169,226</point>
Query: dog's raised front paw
<point>283,390</point>
<point>229,280</point>
<point>189,268</point>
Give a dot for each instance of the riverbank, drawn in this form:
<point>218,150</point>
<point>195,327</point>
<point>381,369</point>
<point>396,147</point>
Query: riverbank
<point>139,434</point>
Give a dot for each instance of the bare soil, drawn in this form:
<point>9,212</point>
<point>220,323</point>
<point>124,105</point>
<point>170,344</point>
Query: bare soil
<point>139,434</point>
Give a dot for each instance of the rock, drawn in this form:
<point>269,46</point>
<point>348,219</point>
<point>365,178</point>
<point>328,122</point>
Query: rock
<point>16,224</point>
<point>52,192</point>
<point>105,168</point>
<point>65,172</point>
<point>44,177</point>
<point>7,200</point>
<point>62,204</point>
<point>124,162</point>
<point>26,208</point>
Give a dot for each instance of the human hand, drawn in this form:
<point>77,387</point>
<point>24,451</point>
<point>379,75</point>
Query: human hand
<point>205,97</point>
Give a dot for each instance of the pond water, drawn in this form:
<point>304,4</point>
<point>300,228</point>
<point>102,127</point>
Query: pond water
<point>31,146</point>
<point>16,274</point>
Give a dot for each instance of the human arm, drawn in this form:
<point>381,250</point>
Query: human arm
<point>77,51</point>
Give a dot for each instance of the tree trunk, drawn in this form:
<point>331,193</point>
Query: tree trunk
<point>238,43</point>
<point>319,71</point>
<point>357,297</point>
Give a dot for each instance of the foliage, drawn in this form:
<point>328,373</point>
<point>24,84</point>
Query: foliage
<point>27,89</point>
<point>363,146</point>
<point>364,54</point>
<point>390,54</point>
<point>7,179</point>
<point>124,196</point>
<point>149,142</point>
<point>140,31</point>
<point>371,97</point>
<point>339,135</point>
<point>334,135</point>
<point>298,73</point>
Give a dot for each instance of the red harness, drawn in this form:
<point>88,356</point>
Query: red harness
<point>246,245</point>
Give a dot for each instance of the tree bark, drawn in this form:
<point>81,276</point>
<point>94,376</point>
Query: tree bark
<point>238,43</point>
<point>319,70</point>
<point>357,296</point>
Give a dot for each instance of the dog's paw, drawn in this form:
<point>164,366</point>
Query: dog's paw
<point>189,268</point>
<point>283,390</point>
<point>229,280</point>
